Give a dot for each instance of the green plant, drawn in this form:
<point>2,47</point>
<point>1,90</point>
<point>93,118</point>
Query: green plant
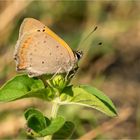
<point>59,91</point>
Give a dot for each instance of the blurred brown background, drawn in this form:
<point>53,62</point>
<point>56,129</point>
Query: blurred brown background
<point>113,67</point>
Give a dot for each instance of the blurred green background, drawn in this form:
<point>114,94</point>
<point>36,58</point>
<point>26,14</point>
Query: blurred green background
<point>113,67</point>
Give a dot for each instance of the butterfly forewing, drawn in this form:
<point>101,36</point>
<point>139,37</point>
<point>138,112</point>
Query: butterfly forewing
<point>30,25</point>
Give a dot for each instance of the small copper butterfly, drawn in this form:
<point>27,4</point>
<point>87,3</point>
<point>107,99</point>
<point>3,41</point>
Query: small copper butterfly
<point>40,51</point>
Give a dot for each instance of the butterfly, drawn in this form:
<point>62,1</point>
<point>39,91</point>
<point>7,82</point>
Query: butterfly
<point>40,51</point>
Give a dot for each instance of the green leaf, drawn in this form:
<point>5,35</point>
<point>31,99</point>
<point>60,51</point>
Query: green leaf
<point>65,131</point>
<point>35,119</point>
<point>45,94</point>
<point>22,86</point>
<point>90,97</point>
<point>34,123</point>
<point>54,126</point>
<point>40,125</point>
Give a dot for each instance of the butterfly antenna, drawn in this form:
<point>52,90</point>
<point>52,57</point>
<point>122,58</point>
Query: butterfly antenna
<point>81,43</point>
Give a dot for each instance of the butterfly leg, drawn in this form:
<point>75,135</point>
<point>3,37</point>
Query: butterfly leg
<point>56,73</point>
<point>67,76</point>
<point>71,72</point>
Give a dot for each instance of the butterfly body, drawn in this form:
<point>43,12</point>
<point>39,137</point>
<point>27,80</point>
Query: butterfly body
<point>40,51</point>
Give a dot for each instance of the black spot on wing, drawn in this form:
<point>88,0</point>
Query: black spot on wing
<point>15,58</point>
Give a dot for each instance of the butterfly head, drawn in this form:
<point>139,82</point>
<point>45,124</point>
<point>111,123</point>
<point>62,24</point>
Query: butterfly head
<point>78,55</point>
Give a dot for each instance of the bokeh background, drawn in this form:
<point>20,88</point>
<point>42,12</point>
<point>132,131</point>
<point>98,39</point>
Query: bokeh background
<point>113,67</point>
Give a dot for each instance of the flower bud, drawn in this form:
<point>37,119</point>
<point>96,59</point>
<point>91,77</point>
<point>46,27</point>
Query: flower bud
<point>59,82</point>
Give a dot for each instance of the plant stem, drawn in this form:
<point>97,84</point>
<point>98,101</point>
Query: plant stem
<point>54,111</point>
<point>55,108</point>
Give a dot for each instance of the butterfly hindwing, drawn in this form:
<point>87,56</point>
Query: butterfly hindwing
<point>42,51</point>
